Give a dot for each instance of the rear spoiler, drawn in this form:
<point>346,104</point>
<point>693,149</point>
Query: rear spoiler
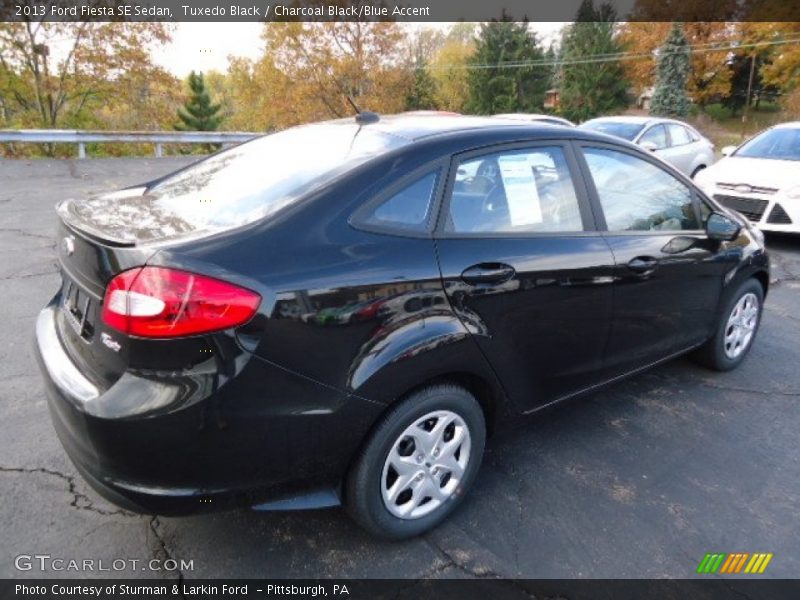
<point>81,227</point>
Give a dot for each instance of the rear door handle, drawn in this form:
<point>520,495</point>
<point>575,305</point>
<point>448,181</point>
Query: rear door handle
<point>643,264</point>
<point>487,273</point>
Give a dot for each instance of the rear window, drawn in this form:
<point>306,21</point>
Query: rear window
<point>258,178</point>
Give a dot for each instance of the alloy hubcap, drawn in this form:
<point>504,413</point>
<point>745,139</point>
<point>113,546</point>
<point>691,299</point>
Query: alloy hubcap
<point>425,465</point>
<point>741,325</point>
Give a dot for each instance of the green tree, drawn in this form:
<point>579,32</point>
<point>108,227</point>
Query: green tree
<point>672,73</point>
<point>198,113</point>
<point>591,85</point>
<point>422,95</point>
<point>494,88</point>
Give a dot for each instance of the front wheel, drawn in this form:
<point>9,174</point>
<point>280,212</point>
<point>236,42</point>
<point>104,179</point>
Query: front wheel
<point>418,463</point>
<point>736,329</point>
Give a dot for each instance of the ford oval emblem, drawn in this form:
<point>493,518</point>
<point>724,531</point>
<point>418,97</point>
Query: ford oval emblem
<point>68,243</point>
<point>743,188</point>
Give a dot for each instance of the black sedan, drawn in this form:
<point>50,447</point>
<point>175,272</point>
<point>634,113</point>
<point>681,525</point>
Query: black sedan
<point>341,312</point>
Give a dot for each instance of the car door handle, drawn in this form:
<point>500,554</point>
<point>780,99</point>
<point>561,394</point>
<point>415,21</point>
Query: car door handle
<point>487,273</point>
<point>643,264</point>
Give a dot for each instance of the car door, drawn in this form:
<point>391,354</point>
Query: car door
<point>683,149</point>
<point>525,269</point>
<point>668,274</point>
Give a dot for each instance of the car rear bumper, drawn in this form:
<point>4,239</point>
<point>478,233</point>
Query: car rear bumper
<point>267,437</point>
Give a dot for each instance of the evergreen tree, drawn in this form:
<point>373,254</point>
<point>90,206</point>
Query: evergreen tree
<point>590,88</point>
<point>198,114</point>
<point>511,89</point>
<point>423,93</point>
<point>672,72</point>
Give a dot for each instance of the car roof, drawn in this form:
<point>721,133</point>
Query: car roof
<point>639,120</point>
<point>788,125</point>
<point>416,126</point>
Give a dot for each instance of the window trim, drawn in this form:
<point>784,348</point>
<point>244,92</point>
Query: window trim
<point>358,218</point>
<point>590,226</point>
<point>594,197</point>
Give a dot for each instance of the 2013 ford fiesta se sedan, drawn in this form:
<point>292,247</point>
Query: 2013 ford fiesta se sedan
<point>341,312</point>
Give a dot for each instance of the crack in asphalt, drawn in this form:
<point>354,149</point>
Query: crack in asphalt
<point>24,233</point>
<point>741,390</point>
<point>80,501</point>
<point>29,275</point>
<point>163,553</point>
<point>453,561</point>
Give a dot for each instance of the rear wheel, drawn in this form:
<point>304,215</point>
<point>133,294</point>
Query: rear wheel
<point>736,329</point>
<point>418,463</point>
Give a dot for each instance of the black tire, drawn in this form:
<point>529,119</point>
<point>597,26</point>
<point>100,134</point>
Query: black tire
<point>697,170</point>
<point>712,354</point>
<point>363,496</point>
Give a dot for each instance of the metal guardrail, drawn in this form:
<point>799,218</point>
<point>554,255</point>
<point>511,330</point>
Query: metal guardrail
<point>81,138</point>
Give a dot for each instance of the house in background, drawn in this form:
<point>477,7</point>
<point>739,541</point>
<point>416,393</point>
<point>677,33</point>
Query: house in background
<point>645,98</point>
<point>551,99</point>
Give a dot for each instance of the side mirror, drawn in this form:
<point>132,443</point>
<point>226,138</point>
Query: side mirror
<point>728,150</point>
<point>722,228</point>
<point>649,146</point>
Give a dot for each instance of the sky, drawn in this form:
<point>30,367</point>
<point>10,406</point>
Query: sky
<point>206,46</point>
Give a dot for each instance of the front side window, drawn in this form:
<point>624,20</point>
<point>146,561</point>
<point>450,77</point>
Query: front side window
<point>515,191</point>
<point>637,195</point>
<point>409,209</point>
<point>656,135</point>
<point>679,135</point>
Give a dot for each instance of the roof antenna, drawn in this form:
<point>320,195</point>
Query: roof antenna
<point>353,104</point>
<point>363,117</point>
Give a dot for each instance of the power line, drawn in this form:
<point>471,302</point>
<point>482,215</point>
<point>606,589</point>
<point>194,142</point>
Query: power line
<point>612,57</point>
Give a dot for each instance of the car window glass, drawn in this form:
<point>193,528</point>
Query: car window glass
<point>655,135</point>
<point>679,135</point>
<point>408,209</point>
<point>705,211</point>
<point>636,195</point>
<point>514,191</point>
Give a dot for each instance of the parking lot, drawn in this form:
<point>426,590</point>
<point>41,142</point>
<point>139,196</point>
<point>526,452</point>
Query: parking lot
<point>639,480</point>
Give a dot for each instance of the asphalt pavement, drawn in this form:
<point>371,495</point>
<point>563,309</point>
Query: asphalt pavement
<point>639,480</point>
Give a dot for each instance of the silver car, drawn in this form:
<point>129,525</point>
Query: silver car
<point>679,144</point>
<point>537,118</point>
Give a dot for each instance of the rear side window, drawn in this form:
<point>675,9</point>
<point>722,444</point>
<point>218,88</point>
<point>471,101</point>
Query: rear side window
<point>408,210</point>
<point>516,191</point>
<point>637,195</point>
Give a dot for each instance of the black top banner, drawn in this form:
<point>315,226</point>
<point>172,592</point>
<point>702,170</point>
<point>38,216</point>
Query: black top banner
<point>392,10</point>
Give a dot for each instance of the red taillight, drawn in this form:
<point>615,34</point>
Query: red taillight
<point>158,302</point>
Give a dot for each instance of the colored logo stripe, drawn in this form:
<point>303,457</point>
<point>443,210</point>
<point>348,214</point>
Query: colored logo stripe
<point>733,563</point>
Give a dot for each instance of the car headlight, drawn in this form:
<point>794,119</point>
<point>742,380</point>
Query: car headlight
<point>793,193</point>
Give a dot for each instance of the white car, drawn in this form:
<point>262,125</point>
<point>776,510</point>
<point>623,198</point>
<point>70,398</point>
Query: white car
<point>679,144</point>
<point>760,179</point>
<point>533,117</point>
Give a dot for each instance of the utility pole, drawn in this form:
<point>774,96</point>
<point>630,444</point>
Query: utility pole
<point>749,92</point>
